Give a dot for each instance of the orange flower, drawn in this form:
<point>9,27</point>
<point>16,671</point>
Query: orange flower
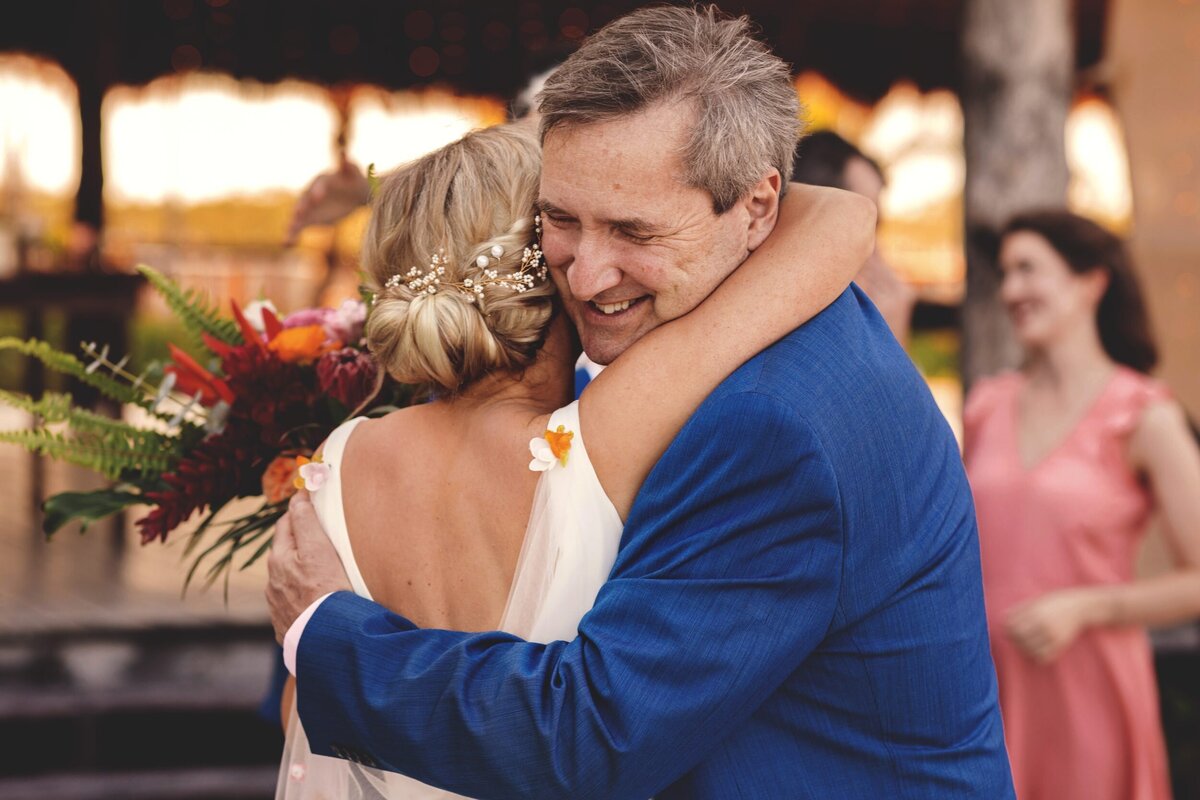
<point>278,481</point>
<point>560,443</point>
<point>302,345</point>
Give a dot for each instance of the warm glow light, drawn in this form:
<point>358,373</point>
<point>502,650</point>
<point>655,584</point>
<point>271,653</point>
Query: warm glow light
<point>917,139</point>
<point>204,137</point>
<point>921,180</point>
<point>1099,165</point>
<point>39,126</point>
<point>824,107</point>
<point>905,120</point>
<point>388,129</point>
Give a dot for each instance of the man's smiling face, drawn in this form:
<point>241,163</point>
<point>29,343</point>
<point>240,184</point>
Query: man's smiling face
<point>629,245</point>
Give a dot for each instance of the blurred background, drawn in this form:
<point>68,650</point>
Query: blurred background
<point>179,133</point>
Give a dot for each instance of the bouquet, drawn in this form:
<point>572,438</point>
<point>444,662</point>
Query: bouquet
<point>240,421</point>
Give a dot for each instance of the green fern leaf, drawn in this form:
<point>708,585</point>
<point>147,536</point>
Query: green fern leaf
<point>107,457</point>
<point>55,408</point>
<point>70,365</point>
<point>52,407</point>
<point>192,309</point>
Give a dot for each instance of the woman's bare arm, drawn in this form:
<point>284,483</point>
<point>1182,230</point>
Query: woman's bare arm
<point>1164,450</point>
<point>633,410</point>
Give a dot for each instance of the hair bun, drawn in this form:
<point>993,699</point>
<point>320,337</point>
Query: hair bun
<point>470,199</point>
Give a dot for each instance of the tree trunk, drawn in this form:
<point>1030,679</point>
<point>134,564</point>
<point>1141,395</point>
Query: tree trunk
<point>1018,58</point>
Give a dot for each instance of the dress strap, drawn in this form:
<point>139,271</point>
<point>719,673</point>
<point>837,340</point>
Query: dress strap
<point>985,397</point>
<point>570,544</point>
<point>328,502</point>
<point>1131,396</point>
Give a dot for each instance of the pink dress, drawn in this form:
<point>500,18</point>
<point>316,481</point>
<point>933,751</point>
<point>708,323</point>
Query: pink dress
<point>1086,726</point>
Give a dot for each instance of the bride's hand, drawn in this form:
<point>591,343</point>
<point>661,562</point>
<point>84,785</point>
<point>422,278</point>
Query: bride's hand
<point>302,567</point>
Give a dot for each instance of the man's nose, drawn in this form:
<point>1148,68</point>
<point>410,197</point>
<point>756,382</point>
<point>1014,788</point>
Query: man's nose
<point>593,270</point>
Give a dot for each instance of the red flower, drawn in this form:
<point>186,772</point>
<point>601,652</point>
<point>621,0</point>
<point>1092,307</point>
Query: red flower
<point>275,396</point>
<point>347,375</point>
<point>215,471</point>
<point>191,378</point>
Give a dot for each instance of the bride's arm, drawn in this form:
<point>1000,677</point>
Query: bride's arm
<point>633,410</point>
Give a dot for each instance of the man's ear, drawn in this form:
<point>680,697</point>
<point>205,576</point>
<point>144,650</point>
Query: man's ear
<point>762,206</point>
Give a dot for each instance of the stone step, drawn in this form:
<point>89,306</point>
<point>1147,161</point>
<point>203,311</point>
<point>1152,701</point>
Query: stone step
<point>221,664</point>
<point>224,783</point>
<point>135,699</point>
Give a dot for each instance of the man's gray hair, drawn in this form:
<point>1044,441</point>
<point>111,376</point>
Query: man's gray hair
<point>747,112</point>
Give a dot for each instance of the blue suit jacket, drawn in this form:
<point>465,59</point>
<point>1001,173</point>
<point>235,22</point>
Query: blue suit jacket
<point>795,612</point>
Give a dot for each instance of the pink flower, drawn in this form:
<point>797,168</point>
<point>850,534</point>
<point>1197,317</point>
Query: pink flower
<point>312,475</point>
<point>308,316</point>
<point>347,375</point>
<point>348,321</point>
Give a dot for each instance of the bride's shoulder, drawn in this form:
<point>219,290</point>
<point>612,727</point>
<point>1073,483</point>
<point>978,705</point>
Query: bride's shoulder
<point>401,422</point>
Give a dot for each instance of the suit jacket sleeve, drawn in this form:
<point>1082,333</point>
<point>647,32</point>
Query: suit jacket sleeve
<point>727,578</point>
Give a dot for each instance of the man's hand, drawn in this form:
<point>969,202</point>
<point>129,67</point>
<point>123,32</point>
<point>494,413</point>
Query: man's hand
<point>330,197</point>
<point>302,566</point>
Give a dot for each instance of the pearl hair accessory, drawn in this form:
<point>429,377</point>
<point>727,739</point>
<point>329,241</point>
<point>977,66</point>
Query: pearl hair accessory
<point>531,272</point>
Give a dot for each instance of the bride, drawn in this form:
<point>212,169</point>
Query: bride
<point>505,523</point>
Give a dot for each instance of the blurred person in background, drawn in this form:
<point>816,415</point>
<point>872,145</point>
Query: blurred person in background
<point>1069,458</point>
<point>332,196</point>
<point>826,159</point>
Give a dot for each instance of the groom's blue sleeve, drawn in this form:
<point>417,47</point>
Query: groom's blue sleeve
<point>727,578</point>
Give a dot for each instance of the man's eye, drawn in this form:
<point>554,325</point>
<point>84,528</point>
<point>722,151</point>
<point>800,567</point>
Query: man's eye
<point>636,238</point>
<point>558,221</point>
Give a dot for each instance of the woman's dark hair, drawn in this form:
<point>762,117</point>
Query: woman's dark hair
<point>821,160</point>
<point>1121,316</point>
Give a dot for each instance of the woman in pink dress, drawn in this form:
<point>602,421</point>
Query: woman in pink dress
<point>1068,459</point>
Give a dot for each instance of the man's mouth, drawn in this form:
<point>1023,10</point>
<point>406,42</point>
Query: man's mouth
<point>610,309</point>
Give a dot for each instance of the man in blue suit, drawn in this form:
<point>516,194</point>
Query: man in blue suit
<point>795,610</point>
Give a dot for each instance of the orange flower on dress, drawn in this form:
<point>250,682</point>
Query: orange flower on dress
<point>560,443</point>
<point>301,345</point>
<point>550,449</point>
<point>279,479</point>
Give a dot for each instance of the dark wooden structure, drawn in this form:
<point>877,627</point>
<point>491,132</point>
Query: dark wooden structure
<point>475,46</point>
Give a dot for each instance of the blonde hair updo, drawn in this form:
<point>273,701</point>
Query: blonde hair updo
<point>460,201</point>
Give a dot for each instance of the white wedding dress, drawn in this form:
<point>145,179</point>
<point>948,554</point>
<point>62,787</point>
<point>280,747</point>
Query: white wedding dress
<point>570,546</point>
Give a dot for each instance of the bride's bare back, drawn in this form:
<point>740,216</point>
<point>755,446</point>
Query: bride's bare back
<point>436,500</point>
